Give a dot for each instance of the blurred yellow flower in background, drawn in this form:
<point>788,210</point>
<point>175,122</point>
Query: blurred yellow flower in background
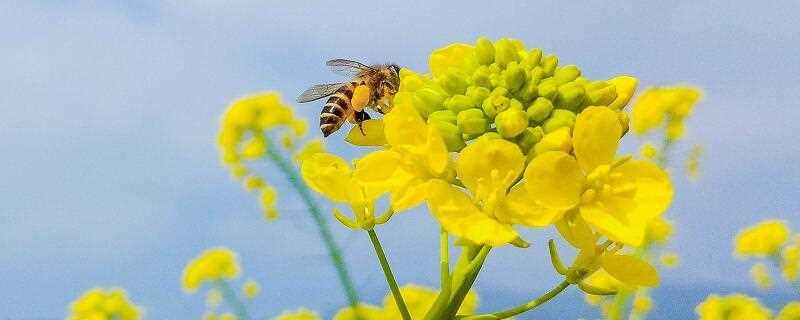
<point>212,265</point>
<point>299,314</point>
<point>732,307</point>
<point>763,239</point>
<point>790,311</point>
<point>251,289</point>
<point>674,103</point>
<point>419,300</point>
<point>791,260</point>
<point>760,275</point>
<point>103,304</point>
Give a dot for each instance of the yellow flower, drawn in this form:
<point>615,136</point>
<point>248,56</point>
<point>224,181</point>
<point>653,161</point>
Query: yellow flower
<point>790,311</point>
<point>212,265</point>
<point>363,311</point>
<point>299,314</point>
<point>732,307</point>
<point>309,149</point>
<point>618,198</point>
<point>419,300</point>
<point>670,260</point>
<point>251,289</point>
<point>642,303</point>
<point>416,156</point>
<point>791,260</point>
<point>334,178</point>
<point>760,274</point>
<point>648,151</point>
<point>656,103</point>
<point>659,230</point>
<point>763,239</point>
<point>104,304</point>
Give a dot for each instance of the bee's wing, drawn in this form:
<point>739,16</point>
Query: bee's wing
<point>318,91</point>
<point>347,68</point>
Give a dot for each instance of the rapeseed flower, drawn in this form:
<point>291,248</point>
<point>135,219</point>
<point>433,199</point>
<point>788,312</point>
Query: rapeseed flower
<point>763,239</point>
<point>790,311</point>
<point>617,197</point>
<point>760,275</point>
<point>732,307</point>
<point>251,289</point>
<point>244,137</point>
<point>212,265</point>
<point>104,304</point>
<point>791,260</point>
<point>299,314</point>
<point>656,104</point>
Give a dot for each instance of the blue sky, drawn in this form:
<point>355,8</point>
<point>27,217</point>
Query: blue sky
<point>109,112</point>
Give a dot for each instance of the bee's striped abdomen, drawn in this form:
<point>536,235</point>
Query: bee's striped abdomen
<point>336,110</point>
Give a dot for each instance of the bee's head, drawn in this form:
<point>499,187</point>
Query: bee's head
<point>391,82</point>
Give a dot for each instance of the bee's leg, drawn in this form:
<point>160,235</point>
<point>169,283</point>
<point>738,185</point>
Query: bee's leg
<point>360,117</point>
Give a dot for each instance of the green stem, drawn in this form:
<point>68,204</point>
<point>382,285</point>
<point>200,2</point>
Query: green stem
<point>445,259</point>
<point>387,271</point>
<point>533,304</point>
<point>231,300</point>
<point>470,274</point>
<point>322,225</point>
<point>442,300</point>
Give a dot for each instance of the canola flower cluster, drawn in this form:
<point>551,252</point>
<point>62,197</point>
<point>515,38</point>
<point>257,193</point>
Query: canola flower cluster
<point>772,241</point>
<point>104,304</point>
<point>217,267</point>
<point>245,136</point>
<point>668,106</point>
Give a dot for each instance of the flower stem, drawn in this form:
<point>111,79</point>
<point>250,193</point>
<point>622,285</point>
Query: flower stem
<point>387,271</point>
<point>231,300</point>
<point>322,225</point>
<point>533,304</point>
<point>445,259</point>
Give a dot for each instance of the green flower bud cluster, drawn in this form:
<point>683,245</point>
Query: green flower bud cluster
<point>504,90</point>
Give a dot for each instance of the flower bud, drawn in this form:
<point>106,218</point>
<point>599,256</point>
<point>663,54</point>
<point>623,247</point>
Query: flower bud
<point>528,138</point>
<point>600,93</point>
<point>481,77</point>
<point>454,81</point>
<point>442,115</point>
<point>566,74</point>
<point>529,92</point>
<point>570,96</point>
<point>548,89</point>
<point>505,51</point>
<point>428,100</point>
<point>460,102</point>
<point>532,59</point>
<point>559,140</point>
<point>514,77</point>
<point>626,85</point>
<point>477,93</point>
<point>494,104</point>
<point>472,122</point>
<point>490,135</point>
<point>539,110</point>
<point>511,122</point>
<point>536,75</point>
<point>549,64</point>
<point>516,105</point>
<point>560,118</point>
<point>484,51</point>
<point>450,134</point>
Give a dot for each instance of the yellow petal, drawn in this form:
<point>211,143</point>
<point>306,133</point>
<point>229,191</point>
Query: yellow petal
<point>460,217</point>
<point>576,232</point>
<point>372,134</point>
<point>436,152</point>
<point>408,195</point>
<point>520,208</point>
<point>648,111</point>
<point>326,173</point>
<point>628,229</point>
<point>555,180</point>
<point>595,137</point>
<point>630,270</point>
<point>495,163</point>
<point>404,126</point>
<point>653,188</point>
<point>379,172</point>
<point>625,86</point>
<point>443,58</point>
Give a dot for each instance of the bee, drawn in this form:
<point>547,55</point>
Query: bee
<point>381,81</point>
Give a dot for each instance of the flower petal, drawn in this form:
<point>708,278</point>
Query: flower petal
<point>630,270</point>
<point>443,58</point>
<point>459,216</point>
<point>493,162</point>
<point>595,137</point>
<point>436,153</point>
<point>372,134</point>
<point>520,208</point>
<point>575,230</point>
<point>555,180</point>
<point>404,125</point>
<point>326,173</point>
<point>653,188</point>
<point>626,229</point>
<point>408,195</point>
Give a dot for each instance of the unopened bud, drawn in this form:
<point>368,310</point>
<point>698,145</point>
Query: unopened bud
<point>450,134</point>
<point>532,59</point>
<point>495,104</point>
<point>478,93</point>
<point>460,102</point>
<point>560,118</point>
<point>505,51</point>
<point>549,64</point>
<point>548,89</point>
<point>511,122</point>
<point>626,85</point>
<point>481,77</point>
<point>484,51</point>
<point>529,92</point>
<point>530,137</point>
<point>539,110</point>
<point>566,74</point>
<point>600,93</point>
<point>570,96</point>
<point>442,115</point>
<point>455,81</point>
<point>472,122</point>
<point>514,76</point>
<point>428,100</point>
